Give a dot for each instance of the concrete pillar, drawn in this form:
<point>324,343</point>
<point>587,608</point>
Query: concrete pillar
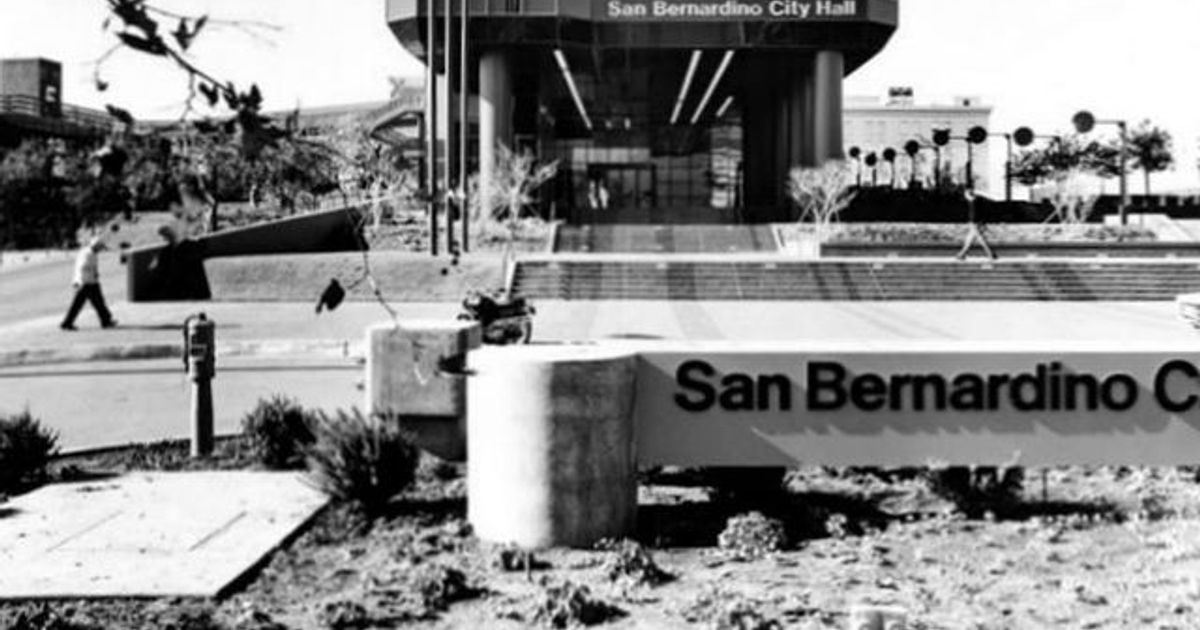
<point>777,130</point>
<point>495,110</point>
<point>415,374</point>
<point>551,436</point>
<point>828,70</point>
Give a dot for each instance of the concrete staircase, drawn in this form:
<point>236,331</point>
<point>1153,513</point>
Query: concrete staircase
<point>680,277</point>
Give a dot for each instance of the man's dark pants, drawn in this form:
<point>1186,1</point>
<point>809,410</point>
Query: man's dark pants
<point>91,293</point>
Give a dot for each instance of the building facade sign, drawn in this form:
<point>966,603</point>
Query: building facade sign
<point>913,408</point>
<point>718,10</point>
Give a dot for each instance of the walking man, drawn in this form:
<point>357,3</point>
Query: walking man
<point>87,286</point>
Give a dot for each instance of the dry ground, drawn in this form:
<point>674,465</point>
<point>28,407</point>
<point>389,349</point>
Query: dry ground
<point>1103,548</point>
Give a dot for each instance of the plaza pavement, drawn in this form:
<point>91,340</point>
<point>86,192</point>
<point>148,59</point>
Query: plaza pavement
<point>277,329</point>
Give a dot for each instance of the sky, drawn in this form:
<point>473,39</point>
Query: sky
<point>1036,62</point>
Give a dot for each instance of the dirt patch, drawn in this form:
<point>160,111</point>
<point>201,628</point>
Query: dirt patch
<point>1095,547</point>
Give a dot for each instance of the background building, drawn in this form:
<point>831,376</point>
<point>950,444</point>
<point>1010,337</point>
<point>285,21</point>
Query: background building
<point>874,124</point>
<point>31,105</point>
<point>660,103</point>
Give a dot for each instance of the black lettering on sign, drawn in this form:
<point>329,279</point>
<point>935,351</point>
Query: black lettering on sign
<point>689,376</point>
<point>1109,392</point>
<point>1164,398</point>
<point>825,389</point>
<point>737,393</point>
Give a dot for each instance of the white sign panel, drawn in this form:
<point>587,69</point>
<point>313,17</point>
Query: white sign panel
<point>910,407</point>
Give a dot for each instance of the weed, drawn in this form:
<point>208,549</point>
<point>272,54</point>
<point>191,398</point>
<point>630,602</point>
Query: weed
<point>975,490</point>
<point>279,430</point>
<point>751,535</point>
<point>628,561</point>
<point>566,604</point>
<point>25,449</point>
<point>359,459</point>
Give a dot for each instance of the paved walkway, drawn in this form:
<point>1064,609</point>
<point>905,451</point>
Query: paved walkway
<point>147,534</point>
<point>149,330</point>
<point>153,330</point>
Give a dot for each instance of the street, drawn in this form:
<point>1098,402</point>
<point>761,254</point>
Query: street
<point>100,404</point>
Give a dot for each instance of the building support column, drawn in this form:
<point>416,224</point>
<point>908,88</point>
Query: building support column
<point>828,70</point>
<point>495,112</point>
<point>776,132</point>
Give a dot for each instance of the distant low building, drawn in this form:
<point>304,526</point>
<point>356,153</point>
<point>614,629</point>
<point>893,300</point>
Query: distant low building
<point>31,105</point>
<point>873,125</point>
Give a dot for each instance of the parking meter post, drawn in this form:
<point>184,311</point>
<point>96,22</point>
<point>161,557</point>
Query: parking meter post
<point>200,357</point>
<point>202,417</point>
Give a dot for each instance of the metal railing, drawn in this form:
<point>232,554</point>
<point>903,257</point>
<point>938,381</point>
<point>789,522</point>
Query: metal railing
<point>70,114</point>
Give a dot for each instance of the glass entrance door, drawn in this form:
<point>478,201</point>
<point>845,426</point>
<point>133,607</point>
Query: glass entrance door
<point>621,187</point>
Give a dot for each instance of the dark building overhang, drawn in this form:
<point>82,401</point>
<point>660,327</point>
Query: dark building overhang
<point>860,32</point>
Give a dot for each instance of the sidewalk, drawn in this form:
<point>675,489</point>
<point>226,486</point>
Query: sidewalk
<point>155,330</point>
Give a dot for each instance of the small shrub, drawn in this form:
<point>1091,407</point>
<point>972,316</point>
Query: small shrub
<point>752,535</point>
<point>567,604</point>
<point>628,561</point>
<point>46,618</point>
<point>26,447</point>
<point>975,490</point>
<point>441,586</point>
<point>721,610</point>
<point>742,614</point>
<point>343,614</point>
<point>279,430</point>
<point>359,459</point>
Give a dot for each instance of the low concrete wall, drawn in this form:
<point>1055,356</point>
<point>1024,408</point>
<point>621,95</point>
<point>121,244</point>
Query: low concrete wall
<point>401,276</point>
<point>1154,249</point>
<point>415,376</point>
<point>149,277</point>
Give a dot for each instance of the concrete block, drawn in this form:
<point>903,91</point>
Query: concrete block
<point>551,435</point>
<point>415,373</point>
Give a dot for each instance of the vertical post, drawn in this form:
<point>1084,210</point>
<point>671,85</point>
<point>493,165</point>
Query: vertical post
<point>495,114</point>
<point>1008,140</point>
<point>464,131</point>
<point>451,145</point>
<point>431,182</point>
<point>202,417</point>
<point>970,166</point>
<point>828,69</point>
<point>1121,166</point>
<point>199,358</point>
<point>937,168</point>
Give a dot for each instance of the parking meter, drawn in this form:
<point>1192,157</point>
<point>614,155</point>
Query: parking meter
<point>199,359</point>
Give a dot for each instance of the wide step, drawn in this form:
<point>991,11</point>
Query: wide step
<point>853,280</point>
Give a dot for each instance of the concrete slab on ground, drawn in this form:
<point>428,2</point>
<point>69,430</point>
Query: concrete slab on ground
<point>147,534</point>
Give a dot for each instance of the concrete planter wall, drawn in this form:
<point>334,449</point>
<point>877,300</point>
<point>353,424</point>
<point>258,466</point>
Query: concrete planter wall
<point>148,278</point>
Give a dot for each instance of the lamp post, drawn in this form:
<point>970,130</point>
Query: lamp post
<point>941,137</point>
<point>975,135</point>
<point>889,156</point>
<point>912,148</point>
<point>1084,122</point>
<point>854,154</point>
<point>1023,137</point>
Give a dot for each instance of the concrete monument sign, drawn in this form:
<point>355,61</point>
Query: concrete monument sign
<point>909,405</point>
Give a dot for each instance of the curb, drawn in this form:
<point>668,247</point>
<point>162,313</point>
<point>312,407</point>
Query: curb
<point>328,348</point>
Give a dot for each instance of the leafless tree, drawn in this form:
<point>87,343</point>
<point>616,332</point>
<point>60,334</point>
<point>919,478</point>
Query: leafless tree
<point>822,193</point>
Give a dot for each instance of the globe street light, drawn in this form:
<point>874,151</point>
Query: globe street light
<point>912,148</point>
<point>1084,121</point>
